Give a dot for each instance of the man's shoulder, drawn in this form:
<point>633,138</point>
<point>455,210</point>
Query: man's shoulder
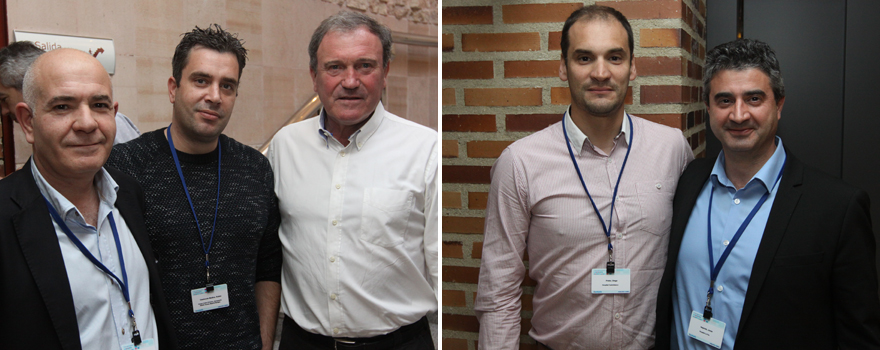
<point>134,154</point>
<point>409,126</point>
<point>241,151</point>
<point>539,141</point>
<point>654,129</point>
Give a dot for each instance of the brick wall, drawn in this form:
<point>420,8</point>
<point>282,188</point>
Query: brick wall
<point>500,83</point>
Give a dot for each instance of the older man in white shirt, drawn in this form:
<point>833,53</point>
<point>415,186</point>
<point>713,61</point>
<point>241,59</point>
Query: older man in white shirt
<point>357,192</point>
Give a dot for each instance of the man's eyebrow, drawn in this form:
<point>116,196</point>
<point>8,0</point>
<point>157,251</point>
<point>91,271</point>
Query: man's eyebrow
<point>758,92</point>
<point>615,50</point>
<point>722,95</point>
<point>57,99</point>
<point>229,81</point>
<point>100,98</point>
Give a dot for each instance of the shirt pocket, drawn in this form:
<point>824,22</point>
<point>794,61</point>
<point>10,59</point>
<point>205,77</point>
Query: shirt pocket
<point>655,205</point>
<point>385,216</point>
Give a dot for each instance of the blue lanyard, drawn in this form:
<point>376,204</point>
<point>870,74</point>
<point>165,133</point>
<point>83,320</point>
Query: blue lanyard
<point>206,250</point>
<point>715,269</point>
<point>607,228</point>
<point>123,283</point>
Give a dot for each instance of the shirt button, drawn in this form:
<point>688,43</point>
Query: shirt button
<point>335,222</point>
<point>123,331</point>
<point>332,296</point>
<point>619,235</point>
<point>360,144</point>
<point>332,259</point>
<point>726,242</point>
<point>720,288</point>
<point>659,186</point>
<point>342,154</point>
<point>338,186</point>
<point>617,315</point>
<point>335,330</point>
<point>736,201</point>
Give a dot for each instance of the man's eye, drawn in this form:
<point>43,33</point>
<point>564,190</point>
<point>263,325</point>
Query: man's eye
<point>60,107</point>
<point>101,105</point>
<point>226,86</point>
<point>201,81</point>
<point>584,59</point>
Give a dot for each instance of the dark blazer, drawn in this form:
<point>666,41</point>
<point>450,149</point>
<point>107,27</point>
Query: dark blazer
<point>814,281</point>
<point>36,305</point>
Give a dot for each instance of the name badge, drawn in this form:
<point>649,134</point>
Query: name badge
<point>148,344</point>
<point>203,300</point>
<point>710,332</point>
<point>617,283</point>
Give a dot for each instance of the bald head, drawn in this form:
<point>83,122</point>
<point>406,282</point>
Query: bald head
<point>59,63</point>
<point>68,114</point>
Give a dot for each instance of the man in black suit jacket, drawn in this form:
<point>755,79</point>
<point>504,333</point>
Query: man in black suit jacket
<point>803,274</point>
<point>68,116</point>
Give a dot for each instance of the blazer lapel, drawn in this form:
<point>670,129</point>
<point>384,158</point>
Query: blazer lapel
<point>786,200</point>
<point>39,245</point>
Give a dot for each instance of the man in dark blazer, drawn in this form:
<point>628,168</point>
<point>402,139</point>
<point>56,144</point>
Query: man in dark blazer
<point>799,269</point>
<point>68,117</point>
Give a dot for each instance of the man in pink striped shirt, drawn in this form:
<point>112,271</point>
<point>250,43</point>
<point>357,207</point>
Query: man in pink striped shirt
<point>590,200</point>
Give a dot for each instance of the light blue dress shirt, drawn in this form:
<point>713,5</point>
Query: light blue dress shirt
<point>730,207</point>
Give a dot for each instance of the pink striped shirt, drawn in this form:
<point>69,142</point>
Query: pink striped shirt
<point>537,204</point>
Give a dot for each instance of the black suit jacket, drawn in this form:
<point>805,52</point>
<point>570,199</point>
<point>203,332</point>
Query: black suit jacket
<point>814,281</point>
<point>36,304</point>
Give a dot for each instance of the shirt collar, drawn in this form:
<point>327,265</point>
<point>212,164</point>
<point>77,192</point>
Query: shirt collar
<point>578,138</point>
<point>360,137</point>
<point>765,177</point>
<point>105,184</point>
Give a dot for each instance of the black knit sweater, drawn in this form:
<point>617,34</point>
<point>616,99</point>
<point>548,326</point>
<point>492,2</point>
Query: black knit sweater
<point>246,248</point>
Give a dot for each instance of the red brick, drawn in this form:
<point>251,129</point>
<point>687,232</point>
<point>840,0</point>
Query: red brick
<point>468,70</point>
<point>560,95</point>
<point>451,199</point>
<point>649,9</point>
<point>455,344</point>
<point>664,94</point>
<point>459,224</point>
<point>531,69</point>
<point>477,250</point>
<point>453,250</point>
<point>466,174</point>
<point>498,97</point>
<point>467,15</point>
<point>672,120</point>
<point>477,200</point>
<point>537,13</point>
<point>454,298</point>
<point>469,122</point>
<point>661,37</point>
<point>460,323</point>
<point>460,274</point>
<point>554,41</point>
<point>450,148</point>
<point>530,122</point>
<point>486,149</point>
<point>647,66</point>
<point>448,42</point>
<point>686,41</point>
<point>448,96</point>
<point>687,14</point>
<point>494,42</point>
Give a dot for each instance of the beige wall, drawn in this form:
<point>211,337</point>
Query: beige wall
<point>275,81</point>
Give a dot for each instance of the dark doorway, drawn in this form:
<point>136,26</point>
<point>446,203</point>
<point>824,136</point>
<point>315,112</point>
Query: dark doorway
<point>827,51</point>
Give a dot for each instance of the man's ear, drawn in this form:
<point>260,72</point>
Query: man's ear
<point>172,89</point>
<point>26,119</point>
<point>563,70</point>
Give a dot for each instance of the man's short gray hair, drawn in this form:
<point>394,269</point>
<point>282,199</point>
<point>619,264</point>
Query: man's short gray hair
<point>14,62</point>
<point>347,21</point>
<point>741,54</point>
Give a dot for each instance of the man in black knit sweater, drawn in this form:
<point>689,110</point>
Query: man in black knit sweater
<point>210,209</point>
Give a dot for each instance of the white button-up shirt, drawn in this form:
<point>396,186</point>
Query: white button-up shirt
<point>101,309</point>
<point>358,225</point>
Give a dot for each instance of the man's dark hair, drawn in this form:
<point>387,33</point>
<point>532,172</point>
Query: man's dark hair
<point>214,38</point>
<point>14,62</point>
<point>590,13</point>
<point>742,54</point>
<point>347,21</point>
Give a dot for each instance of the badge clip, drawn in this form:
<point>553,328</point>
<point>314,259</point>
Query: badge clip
<point>136,337</point>
<point>610,267</point>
